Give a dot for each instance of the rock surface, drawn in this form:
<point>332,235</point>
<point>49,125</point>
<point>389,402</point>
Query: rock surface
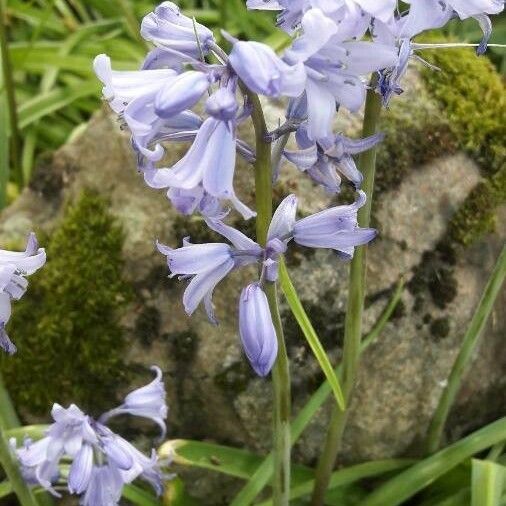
<point>212,392</point>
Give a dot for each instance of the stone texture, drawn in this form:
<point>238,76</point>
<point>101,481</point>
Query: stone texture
<point>212,392</point>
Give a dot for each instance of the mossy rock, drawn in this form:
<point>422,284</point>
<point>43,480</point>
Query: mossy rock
<point>67,330</point>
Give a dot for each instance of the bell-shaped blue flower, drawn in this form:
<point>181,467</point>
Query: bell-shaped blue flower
<point>167,27</point>
<point>335,228</point>
<point>258,335</point>
<point>147,402</point>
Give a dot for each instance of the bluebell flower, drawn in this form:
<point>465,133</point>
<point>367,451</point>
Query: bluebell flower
<point>334,69</point>
<point>14,267</point>
<point>256,329</point>
<point>263,72</point>
<point>321,159</point>
<point>335,228</point>
<point>168,28</point>
<point>147,401</point>
<point>209,162</point>
<point>207,264</point>
<point>102,462</point>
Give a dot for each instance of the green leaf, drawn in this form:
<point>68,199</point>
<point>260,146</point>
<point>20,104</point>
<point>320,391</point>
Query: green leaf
<point>487,483</point>
<point>416,478</point>
<point>347,476</point>
<point>222,459</point>
<point>5,488</point>
<point>175,494</point>
<point>140,496</point>
<point>310,334</point>
<point>53,101</point>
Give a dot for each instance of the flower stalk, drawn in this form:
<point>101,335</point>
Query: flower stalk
<point>353,322</point>
<point>280,371</point>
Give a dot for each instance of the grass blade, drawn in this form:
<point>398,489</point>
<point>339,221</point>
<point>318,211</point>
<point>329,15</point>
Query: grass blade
<point>348,476</point>
<point>5,489</point>
<point>465,355</point>
<point>53,101</point>
<point>139,496</point>
<point>486,483</point>
<point>408,483</point>
<point>310,334</point>
<point>264,472</point>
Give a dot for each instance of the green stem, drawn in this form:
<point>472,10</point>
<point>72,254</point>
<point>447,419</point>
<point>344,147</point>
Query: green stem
<point>466,352</point>
<point>353,323</point>
<point>8,83</point>
<point>280,371</point>
<point>13,473</point>
<point>9,420</point>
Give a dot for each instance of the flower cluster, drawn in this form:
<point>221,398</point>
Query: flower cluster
<point>336,46</point>
<point>14,267</point>
<point>102,462</point>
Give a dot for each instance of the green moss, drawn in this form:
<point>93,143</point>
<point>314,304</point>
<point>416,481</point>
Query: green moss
<point>66,327</point>
<point>413,137</point>
<point>472,94</point>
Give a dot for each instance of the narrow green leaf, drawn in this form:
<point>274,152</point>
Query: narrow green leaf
<point>487,483</point>
<point>347,476</point>
<point>466,352</point>
<point>175,494</point>
<point>416,478</point>
<point>264,472</point>
<point>53,101</point>
<point>222,459</point>
<point>5,488</point>
<point>140,496</point>
<point>310,334</point>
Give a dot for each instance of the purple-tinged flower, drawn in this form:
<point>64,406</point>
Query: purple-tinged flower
<point>209,162</point>
<point>335,228</point>
<point>222,104</point>
<point>122,87</point>
<point>207,264</point>
<point>167,27</point>
<point>147,402</point>
<point>14,266</point>
<point>181,93</point>
<point>257,331</point>
<point>188,201</point>
<point>320,159</point>
<point>334,71</point>
<point>263,72</point>
<point>101,461</point>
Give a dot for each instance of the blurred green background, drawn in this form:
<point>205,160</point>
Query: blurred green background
<point>48,47</point>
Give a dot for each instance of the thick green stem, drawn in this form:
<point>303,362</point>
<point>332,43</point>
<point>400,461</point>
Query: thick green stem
<point>8,416</point>
<point>8,84</point>
<point>466,352</point>
<point>280,371</point>
<point>353,323</point>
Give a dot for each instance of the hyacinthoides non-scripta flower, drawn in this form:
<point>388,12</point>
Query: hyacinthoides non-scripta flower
<point>336,45</point>
<point>101,461</point>
<point>14,268</point>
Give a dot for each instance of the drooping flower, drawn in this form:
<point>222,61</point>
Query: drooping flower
<point>263,72</point>
<point>167,27</point>
<point>320,159</point>
<point>335,228</point>
<point>147,401</point>
<point>102,462</point>
<point>334,68</point>
<point>257,331</point>
<point>207,264</point>
<point>14,267</point>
